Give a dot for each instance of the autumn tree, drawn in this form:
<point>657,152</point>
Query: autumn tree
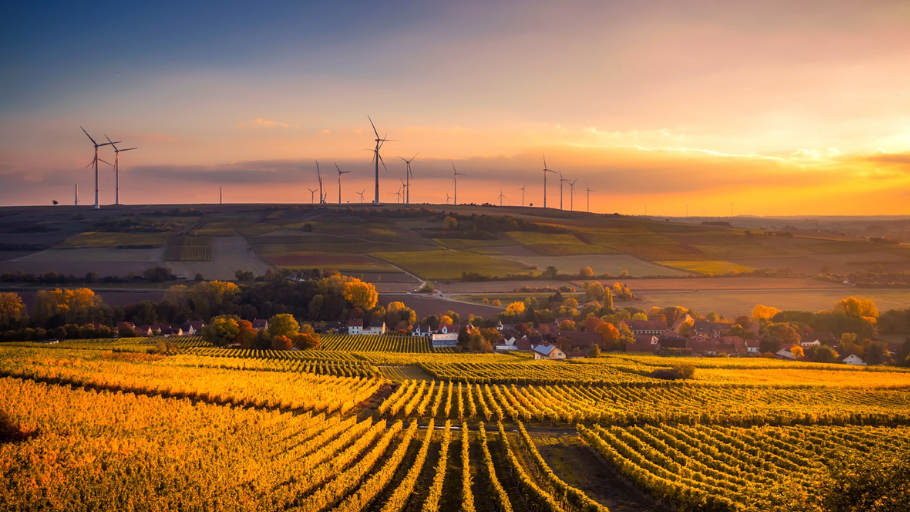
<point>609,334</point>
<point>305,341</point>
<point>586,272</point>
<point>12,310</point>
<point>824,354</point>
<point>760,312</point>
<point>450,223</point>
<point>246,335</point>
<point>515,309</point>
<point>214,298</point>
<point>283,324</point>
<point>360,294</point>
<point>797,351</point>
<point>857,307</point>
<point>608,300</point>
<point>567,325</point>
<point>281,343</point>
<point>74,306</point>
<point>594,351</point>
<point>221,330</point>
<point>592,322</point>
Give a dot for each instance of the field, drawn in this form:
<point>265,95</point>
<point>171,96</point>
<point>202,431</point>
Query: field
<point>612,264</point>
<point>191,248</point>
<point>451,264</point>
<point>107,239</point>
<point>383,424</point>
<point>230,254</point>
<point>708,268</point>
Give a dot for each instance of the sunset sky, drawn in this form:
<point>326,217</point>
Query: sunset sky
<point>782,108</point>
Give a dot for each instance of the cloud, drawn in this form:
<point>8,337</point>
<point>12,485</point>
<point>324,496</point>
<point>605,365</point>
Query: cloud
<point>259,122</point>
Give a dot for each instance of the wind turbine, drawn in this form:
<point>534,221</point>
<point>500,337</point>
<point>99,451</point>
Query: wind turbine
<point>500,197</point>
<point>561,180</point>
<point>117,168</point>
<point>77,194</point>
<point>545,171</point>
<point>404,189</point>
<point>361,195</point>
<point>455,175</point>
<point>319,177</point>
<point>408,177</point>
<point>312,191</point>
<point>340,172</point>
<point>95,161</point>
<point>522,193</point>
<point>377,158</point>
<point>448,197</point>
<point>589,197</point>
<point>572,195</point>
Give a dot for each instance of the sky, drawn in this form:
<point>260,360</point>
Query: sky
<point>657,107</point>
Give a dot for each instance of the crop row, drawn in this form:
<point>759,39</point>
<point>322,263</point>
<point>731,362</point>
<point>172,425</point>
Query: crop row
<point>383,343</point>
<point>717,468</point>
<point>638,405</point>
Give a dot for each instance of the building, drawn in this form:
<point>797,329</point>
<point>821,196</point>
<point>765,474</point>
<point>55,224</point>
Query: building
<point>643,343</point>
<point>260,324</point>
<point>422,331</point>
<point>547,351</point>
<point>446,336</point>
<point>355,326</point>
<point>646,326</point>
<point>374,330</point>
<point>753,347</point>
<point>193,328</point>
<point>854,359</point>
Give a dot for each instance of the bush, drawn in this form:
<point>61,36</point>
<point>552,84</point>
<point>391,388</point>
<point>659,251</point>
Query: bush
<point>281,343</point>
<point>165,348</point>
<point>677,372</point>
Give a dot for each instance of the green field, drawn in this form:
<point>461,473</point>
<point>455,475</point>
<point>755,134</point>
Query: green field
<point>451,264</point>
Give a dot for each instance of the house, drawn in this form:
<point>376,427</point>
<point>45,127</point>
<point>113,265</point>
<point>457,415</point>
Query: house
<point>809,342</point>
<point>355,326</point>
<point>709,329</point>
<point>576,354</point>
<point>547,351</point>
<point>646,326</point>
<point>854,359</point>
<point>702,345</point>
<point>143,330</point>
<point>260,325</point>
<point>670,339</point>
<point>643,343</point>
<point>374,330</point>
<point>193,328</point>
<point>167,330</point>
<point>582,339</point>
<point>753,347</point>
<point>506,345</point>
<point>731,345</point>
<point>422,331</point>
<point>677,325</point>
<point>785,353</point>
<point>446,336</point>
<point>523,344</point>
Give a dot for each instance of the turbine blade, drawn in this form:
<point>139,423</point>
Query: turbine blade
<point>89,136</point>
<point>111,142</point>
<point>128,149</point>
<point>108,163</point>
<point>374,126</point>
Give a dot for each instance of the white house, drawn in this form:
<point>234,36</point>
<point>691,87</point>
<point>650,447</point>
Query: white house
<point>446,336</point>
<point>854,359</point>
<point>422,331</point>
<point>786,354</point>
<point>355,326</point>
<point>547,351</point>
<point>507,344</point>
<point>809,342</point>
<point>374,330</point>
<point>753,346</point>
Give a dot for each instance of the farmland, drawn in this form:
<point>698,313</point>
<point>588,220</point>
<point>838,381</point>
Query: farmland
<point>451,264</point>
<point>582,435</point>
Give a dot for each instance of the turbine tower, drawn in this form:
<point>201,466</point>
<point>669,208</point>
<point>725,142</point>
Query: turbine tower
<point>77,194</point>
<point>501,195</point>
<point>545,171</point>
<point>455,175</point>
<point>523,193</point>
<point>95,161</point>
<point>312,192</point>
<point>117,168</point>
<point>220,195</point>
<point>377,158</point>
<point>361,195</point>
<point>408,176</point>
<point>340,172</point>
<point>319,178</point>
<point>589,197</point>
<point>561,180</point>
<point>572,195</point>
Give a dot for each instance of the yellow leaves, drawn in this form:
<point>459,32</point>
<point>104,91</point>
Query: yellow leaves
<point>360,294</point>
<point>761,312</point>
<point>861,307</point>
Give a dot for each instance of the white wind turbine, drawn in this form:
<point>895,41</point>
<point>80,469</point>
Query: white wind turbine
<point>561,181</point>
<point>312,192</point>
<point>448,197</point>
<point>361,195</point>
<point>455,175</point>
<point>545,171</point>
<point>408,177</point>
<point>95,162</point>
<point>589,197</point>
<point>340,172</point>
<point>501,195</point>
<point>117,168</point>
<point>572,195</point>
<point>523,193</point>
<point>377,158</point>
<point>319,177</point>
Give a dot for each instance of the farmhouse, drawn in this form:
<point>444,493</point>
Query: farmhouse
<point>855,360</point>
<point>260,324</point>
<point>753,347</point>
<point>355,326</point>
<point>547,351</point>
<point>709,329</point>
<point>422,331</point>
<point>643,343</point>
<point>446,336</point>
<point>646,326</point>
<point>193,328</point>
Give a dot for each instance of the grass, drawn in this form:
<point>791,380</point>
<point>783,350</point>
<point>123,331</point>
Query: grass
<point>601,264</point>
<point>462,244</point>
<point>347,263</point>
<point>451,264</point>
<point>337,248</point>
<point>106,239</point>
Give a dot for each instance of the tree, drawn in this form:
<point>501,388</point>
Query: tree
<point>586,272</point>
<point>861,307</point>
<point>360,294</point>
<point>608,300</point>
<point>592,322</point>
<point>449,223</point>
<point>12,310</point>
<point>281,343</point>
<point>609,334</point>
<point>74,306</point>
<point>550,272</point>
<point>640,317</point>
<point>848,342</point>
<point>283,324</point>
<point>125,331</point>
<point>594,351</point>
<point>221,330</point>
<point>305,341</point>
<point>212,298</point>
<point>760,312</point>
<point>797,351</point>
<point>477,343</point>
<point>824,354</point>
<point>515,309</point>
<point>567,325</point>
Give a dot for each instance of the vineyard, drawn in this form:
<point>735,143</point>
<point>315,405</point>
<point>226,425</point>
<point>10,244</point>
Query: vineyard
<point>191,248</point>
<point>382,423</point>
